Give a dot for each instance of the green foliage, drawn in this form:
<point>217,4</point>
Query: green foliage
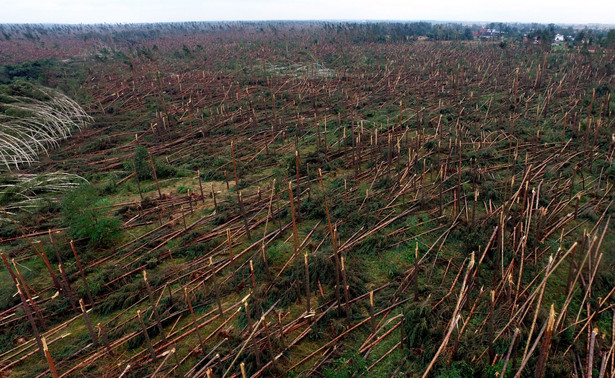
<point>143,166</point>
<point>350,365</point>
<point>7,337</point>
<point>417,326</point>
<point>458,369</point>
<point>36,71</point>
<point>372,245</point>
<point>123,298</point>
<point>313,207</point>
<point>278,252</point>
<point>7,299</point>
<point>81,212</point>
<point>322,269</point>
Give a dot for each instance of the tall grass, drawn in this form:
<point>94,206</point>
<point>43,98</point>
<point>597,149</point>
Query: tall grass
<point>30,125</point>
<point>33,119</point>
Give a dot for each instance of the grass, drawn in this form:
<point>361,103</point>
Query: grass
<point>104,153</point>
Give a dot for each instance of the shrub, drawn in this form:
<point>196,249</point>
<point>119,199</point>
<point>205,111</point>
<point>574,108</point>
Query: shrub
<point>183,189</point>
<point>81,212</point>
<point>144,166</point>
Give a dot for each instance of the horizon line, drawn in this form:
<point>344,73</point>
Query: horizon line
<point>306,21</point>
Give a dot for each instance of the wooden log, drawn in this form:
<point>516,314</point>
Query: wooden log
<point>366,348</point>
<point>82,273</point>
<point>198,173</point>
<point>199,373</point>
<point>510,350</point>
<point>125,371</point>
<point>231,257</point>
<point>251,335</point>
<point>31,235</point>
<point>531,351</point>
<point>542,291</point>
<point>252,277</point>
<point>213,196</point>
<point>545,345</point>
<point>55,248</point>
<point>146,335</point>
<point>216,290</point>
<point>52,366</point>
<point>295,239</point>
<point>372,320</point>
<point>26,308</point>
<point>265,262</point>
<point>590,352</point>
<point>268,340</point>
<point>241,208</point>
<point>306,280</point>
<point>243,215</point>
<point>345,333</point>
<point>194,320</point>
<point>346,294</point>
<point>154,306</point>
<point>283,339</point>
<point>166,355</point>
<point>43,256</point>
<point>86,319</point>
<point>333,239</point>
<point>455,317</point>
<point>252,330</point>
<point>67,290</point>
<point>103,334</point>
<point>298,195</point>
<point>490,325</point>
<point>28,294</point>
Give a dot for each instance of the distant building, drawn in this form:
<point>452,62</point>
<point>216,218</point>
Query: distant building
<point>488,34</point>
<point>558,38</point>
<point>534,40</point>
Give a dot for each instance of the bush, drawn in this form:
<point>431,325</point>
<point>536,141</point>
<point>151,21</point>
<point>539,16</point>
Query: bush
<point>35,71</point>
<point>81,212</point>
<point>144,166</point>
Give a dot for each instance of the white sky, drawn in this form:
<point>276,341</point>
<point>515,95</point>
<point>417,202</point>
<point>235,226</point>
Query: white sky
<point>127,11</point>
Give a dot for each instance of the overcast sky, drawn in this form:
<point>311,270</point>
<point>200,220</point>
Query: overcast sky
<point>127,11</point>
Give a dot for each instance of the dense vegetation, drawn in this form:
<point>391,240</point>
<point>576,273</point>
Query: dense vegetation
<point>297,199</point>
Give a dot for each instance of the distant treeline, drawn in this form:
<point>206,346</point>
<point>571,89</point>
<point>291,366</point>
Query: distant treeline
<point>393,32</point>
<point>375,32</point>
